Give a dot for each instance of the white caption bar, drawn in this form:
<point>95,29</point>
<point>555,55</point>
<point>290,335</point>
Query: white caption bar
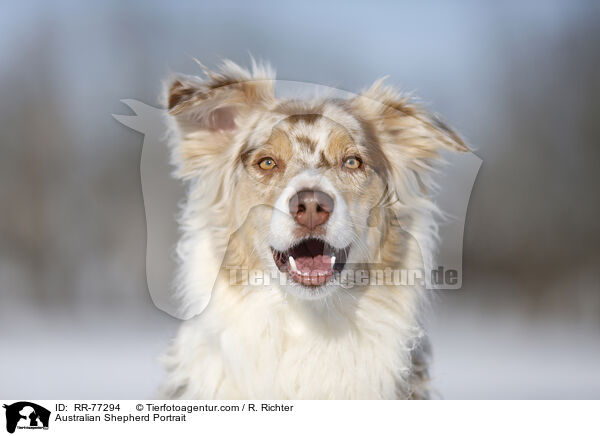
<point>301,417</point>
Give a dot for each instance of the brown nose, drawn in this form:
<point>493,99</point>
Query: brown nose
<point>311,208</point>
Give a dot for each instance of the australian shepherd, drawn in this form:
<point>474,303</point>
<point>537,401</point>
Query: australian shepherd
<point>293,206</point>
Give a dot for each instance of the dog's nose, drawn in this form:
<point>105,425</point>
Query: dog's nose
<point>311,208</point>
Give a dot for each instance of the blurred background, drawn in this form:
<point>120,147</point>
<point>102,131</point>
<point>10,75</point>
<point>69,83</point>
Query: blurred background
<point>521,80</point>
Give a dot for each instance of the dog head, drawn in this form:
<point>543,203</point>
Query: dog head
<point>309,189</point>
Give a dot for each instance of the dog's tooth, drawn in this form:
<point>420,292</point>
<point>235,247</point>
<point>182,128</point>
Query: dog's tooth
<point>332,261</point>
<point>293,264</point>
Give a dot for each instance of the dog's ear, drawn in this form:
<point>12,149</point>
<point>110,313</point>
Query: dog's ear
<point>208,113</point>
<point>194,107</point>
<point>405,124</point>
<point>410,138</point>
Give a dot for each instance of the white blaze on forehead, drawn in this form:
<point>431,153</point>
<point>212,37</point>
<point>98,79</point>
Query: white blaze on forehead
<point>333,118</point>
<point>336,115</point>
<point>339,228</point>
<point>317,133</point>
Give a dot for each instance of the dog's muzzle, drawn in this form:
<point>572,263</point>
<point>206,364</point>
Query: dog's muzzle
<point>311,261</point>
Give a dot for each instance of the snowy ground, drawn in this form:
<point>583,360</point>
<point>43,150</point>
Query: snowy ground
<point>503,355</point>
<point>92,354</point>
<point>102,353</point>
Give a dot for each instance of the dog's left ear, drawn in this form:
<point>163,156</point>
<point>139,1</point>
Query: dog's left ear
<point>208,113</point>
<point>405,127</point>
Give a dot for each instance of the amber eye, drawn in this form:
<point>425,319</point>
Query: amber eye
<point>268,163</point>
<point>352,162</point>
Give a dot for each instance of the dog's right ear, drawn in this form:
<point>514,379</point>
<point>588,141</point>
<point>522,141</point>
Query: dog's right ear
<point>208,113</point>
<point>194,108</point>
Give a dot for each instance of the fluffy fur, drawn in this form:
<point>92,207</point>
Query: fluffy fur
<point>282,339</point>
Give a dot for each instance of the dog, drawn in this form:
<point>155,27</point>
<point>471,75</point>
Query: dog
<point>307,192</point>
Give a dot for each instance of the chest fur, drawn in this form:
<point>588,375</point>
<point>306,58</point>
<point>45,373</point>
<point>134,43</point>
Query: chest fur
<point>277,349</point>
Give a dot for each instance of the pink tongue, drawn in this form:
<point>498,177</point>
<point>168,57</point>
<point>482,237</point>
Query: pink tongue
<point>319,263</point>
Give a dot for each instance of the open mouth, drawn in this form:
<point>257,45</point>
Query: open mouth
<point>311,262</point>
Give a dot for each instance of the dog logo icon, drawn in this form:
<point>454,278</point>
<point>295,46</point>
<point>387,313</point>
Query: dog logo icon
<point>26,415</point>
